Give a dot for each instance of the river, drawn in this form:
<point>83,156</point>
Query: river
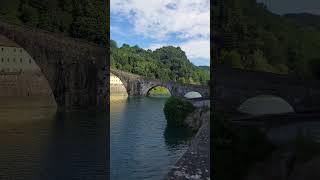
<point>38,143</point>
<point>142,146</point>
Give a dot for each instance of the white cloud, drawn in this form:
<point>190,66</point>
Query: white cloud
<point>160,18</point>
<point>187,20</point>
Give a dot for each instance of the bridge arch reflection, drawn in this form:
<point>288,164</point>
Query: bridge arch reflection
<point>265,104</point>
<point>192,94</point>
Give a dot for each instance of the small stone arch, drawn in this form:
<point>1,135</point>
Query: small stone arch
<point>158,85</point>
<point>265,104</point>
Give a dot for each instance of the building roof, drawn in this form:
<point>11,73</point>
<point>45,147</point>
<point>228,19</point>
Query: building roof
<point>7,42</point>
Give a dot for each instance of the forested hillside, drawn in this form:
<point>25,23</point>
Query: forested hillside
<point>247,35</point>
<point>167,63</point>
<point>305,19</point>
<point>85,19</point>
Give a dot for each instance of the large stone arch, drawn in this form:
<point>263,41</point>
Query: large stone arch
<point>126,81</point>
<point>76,70</point>
<point>123,81</point>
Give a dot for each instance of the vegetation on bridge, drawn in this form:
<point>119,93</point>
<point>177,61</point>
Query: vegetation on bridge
<point>166,63</point>
<point>247,35</point>
<point>85,19</point>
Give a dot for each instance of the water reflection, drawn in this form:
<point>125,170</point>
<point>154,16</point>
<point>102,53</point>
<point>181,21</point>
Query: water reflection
<point>265,104</point>
<point>39,143</point>
<point>175,136</point>
<point>140,147</point>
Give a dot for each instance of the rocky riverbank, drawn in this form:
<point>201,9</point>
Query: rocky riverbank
<point>195,162</point>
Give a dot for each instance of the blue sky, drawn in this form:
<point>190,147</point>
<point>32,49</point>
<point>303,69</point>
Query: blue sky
<point>155,23</point>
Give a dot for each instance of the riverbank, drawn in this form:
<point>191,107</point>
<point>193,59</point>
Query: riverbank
<point>195,162</point>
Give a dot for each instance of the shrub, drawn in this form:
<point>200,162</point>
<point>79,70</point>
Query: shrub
<point>176,110</point>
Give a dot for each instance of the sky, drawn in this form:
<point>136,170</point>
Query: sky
<point>151,24</point>
<point>293,6</point>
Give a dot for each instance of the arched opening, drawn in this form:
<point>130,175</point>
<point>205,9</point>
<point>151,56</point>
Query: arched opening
<point>192,94</point>
<point>20,75</point>
<point>118,92</point>
<point>265,104</point>
<point>159,91</point>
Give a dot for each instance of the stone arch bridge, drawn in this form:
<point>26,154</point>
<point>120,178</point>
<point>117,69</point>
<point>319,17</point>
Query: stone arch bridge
<point>76,70</point>
<point>234,86</point>
<point>140,86</point>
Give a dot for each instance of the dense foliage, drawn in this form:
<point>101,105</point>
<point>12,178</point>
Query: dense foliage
<point>85,19</point>
<point>176,111</point>
<point>167,63</point>
<point>247,35</point>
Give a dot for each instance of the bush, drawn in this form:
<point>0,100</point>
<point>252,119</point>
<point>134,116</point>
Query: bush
<point>176,110</point>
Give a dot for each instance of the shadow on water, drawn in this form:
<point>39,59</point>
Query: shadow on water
<point>175,136</point>
<point>78,146</point>
<point>37,142</point>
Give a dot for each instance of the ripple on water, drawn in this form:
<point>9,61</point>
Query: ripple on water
<point>142,146</point>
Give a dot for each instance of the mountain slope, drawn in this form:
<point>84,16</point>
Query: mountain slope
<point>166,63</point>
<point>249,36</point>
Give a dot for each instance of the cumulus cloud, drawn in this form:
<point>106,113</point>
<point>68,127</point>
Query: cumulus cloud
<point>161,18</point>
<point>188,21</point>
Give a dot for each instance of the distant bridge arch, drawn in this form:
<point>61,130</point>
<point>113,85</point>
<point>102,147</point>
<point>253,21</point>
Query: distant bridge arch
<point>232,87</point>
<point>192,94</point>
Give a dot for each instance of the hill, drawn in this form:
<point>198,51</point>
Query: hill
<point>305,19</point>
<point>205,67</point>
<point>249,36</point>
<point>166,63</point>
